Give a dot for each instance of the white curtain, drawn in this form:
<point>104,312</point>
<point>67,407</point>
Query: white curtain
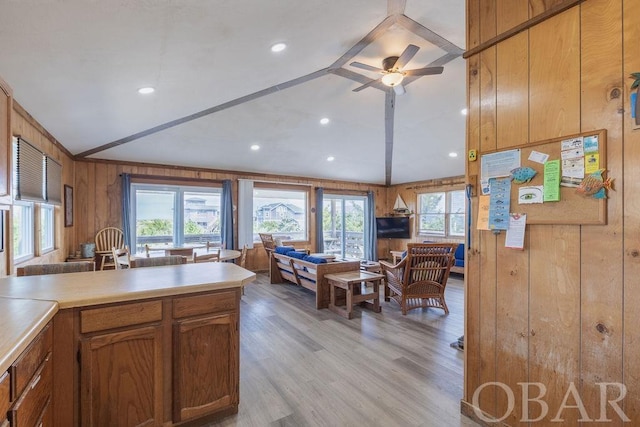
<point>245,213</point>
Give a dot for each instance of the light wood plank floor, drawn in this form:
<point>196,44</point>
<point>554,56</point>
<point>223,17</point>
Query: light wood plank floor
<point>305,367</point>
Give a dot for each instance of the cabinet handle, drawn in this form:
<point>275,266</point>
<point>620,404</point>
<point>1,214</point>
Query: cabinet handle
<point>36,381</point>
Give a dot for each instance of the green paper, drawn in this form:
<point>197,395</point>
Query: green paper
<point>552,181</point>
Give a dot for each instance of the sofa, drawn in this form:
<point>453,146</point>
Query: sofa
<point>458,265</point>
<point>307,271</point>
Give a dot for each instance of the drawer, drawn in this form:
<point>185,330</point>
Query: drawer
<point>23,369</point>
<point>29,407</point>
<point>204,304</point>
<point>118,316</point>
<point>46,418</point>
<point>4,396</point>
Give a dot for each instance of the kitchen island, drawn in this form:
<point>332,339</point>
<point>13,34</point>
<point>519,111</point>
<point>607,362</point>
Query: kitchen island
<point>147,346</point>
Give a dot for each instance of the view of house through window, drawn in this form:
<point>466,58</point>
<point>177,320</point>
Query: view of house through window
<point>343,225</point>
<point>441,213</point>
<point>174,215</point>
<point>280,212</point>
<point>23,244</point>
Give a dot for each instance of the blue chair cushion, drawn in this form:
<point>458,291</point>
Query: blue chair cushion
<point>296,255</point>
<point>459,255</point>
<point>314,259</point>
<point>404,255</point>
<point>459,263</point>
<point>283,250</point>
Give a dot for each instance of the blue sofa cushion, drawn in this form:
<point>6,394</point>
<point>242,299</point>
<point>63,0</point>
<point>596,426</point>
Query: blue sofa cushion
<point>283,250</point>
<point>459,255</point>
<point>315,259</point>
<point>296,255</point>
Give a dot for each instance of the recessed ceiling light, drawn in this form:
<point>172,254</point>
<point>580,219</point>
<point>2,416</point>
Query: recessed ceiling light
<point>453,154</point>
<point>255,147</point>
<point>278,47</point>
<point>464,111</point>
<point>324,121</point>
<point>330,159</point>
<point>146,90</point>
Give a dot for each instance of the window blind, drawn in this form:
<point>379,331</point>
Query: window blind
<point>54,181</point>
<point>29,172</point>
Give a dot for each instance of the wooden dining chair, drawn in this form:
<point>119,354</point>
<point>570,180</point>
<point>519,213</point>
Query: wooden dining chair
<point>106,239</point>
<point>243,261</point>
<point>158,261</point>
<point>210,256</point>
<point>121,257</point>
<point>268,242</point>
<point>55,268</point>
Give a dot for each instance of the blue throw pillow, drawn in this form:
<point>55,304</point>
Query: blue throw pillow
<point>315,259</point>
<point>297,255</point>
<point>283,250</point>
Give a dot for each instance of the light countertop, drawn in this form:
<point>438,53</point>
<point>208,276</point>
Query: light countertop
<point>28,303</point>
<point>21,320</point>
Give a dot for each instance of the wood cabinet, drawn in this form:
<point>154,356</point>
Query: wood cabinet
<point>205,352</point>
<point>26,389</point>
<point>158,362</point>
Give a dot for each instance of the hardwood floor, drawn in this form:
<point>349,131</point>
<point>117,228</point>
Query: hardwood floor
<point>305,367</point>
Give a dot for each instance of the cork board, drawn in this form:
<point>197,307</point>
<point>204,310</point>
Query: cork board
<point>573,208</point>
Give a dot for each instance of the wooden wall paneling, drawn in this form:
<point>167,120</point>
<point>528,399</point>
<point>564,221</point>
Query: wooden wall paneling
<point>512,325</point>
<point>114,188</point>
<point>540,6</point>
<point>555,76</point>
<point>512,108</point>
<point>472,263</point>
<point>488,26</point>
<point>488,99</point>
<point>473,23</point>
<point>554,342</point>
<point>83,203</point>
<point>510,13</point>
<point>102,218</point>
<point>602,277</point>
<point>630,191</point>
<point>6,117</point>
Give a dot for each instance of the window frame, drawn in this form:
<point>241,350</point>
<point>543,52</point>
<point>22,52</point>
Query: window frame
<point>306,190</point>
<point>447,214</point>
<point>47,211</point>
<point>179,190</point>
<point>344,198</point>
<point>27,228</point>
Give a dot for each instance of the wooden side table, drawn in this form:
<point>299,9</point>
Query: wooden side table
<point>350,281</point>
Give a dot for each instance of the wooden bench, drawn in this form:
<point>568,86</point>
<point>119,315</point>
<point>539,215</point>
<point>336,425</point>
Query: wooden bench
<point>308,274</point>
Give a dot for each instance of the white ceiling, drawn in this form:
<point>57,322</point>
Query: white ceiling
<point>76,65</point>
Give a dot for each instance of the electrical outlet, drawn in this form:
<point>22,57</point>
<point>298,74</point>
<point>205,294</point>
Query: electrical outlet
<point>473,155</point>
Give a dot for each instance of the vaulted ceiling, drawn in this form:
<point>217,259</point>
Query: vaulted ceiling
<point>76,65</point>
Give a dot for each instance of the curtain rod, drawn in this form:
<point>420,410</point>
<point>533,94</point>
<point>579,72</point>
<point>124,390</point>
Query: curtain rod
<point>262,181</point>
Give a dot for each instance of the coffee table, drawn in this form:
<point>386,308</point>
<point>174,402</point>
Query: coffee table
<point>351,281</point>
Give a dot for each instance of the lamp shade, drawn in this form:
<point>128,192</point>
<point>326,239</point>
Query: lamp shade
<point>393,78</point>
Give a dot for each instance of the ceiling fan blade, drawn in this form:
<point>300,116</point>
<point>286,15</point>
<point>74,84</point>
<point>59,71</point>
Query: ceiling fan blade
<point>366,67</point>
<point>426,71</point>
<point>406,56</point>
<point>366,85</point>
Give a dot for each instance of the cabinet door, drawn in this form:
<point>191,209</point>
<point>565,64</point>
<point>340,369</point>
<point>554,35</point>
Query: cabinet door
<point>206,358</point>
<point>121,378</point>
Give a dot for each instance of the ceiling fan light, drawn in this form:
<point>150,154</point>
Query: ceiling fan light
<point>393,78</point>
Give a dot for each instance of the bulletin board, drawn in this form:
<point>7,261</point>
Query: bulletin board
<point>573,207</point>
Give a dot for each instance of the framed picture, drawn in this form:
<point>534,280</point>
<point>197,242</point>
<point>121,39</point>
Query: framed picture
<point>68,206</point>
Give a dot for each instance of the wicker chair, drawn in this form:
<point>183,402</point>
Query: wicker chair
<point>420,278</point>
<point>158,261</point>
<point>56,268</point>
<point>106,239</point>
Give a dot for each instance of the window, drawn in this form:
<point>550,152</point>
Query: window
<point>280,212</point>
<point>23,247</point>
<point>176,215</point>
<point>343,225</point>
<point>441,213</point>
<point>47,228</point>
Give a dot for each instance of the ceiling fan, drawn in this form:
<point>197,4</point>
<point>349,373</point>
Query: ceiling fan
<point>392,72</point>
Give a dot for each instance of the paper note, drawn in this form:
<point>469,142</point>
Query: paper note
<point>552,181</point>
<point>591,144</point>
<point>499,164</point>
<point>499,202</point>
<point>515,232</point>
<point>483,213</point>
<point>538,157</point>
<point>591,163</point>
<point>572,144</point>
<point>530,194</point>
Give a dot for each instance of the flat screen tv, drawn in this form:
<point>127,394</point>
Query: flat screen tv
<point>393,227</point>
